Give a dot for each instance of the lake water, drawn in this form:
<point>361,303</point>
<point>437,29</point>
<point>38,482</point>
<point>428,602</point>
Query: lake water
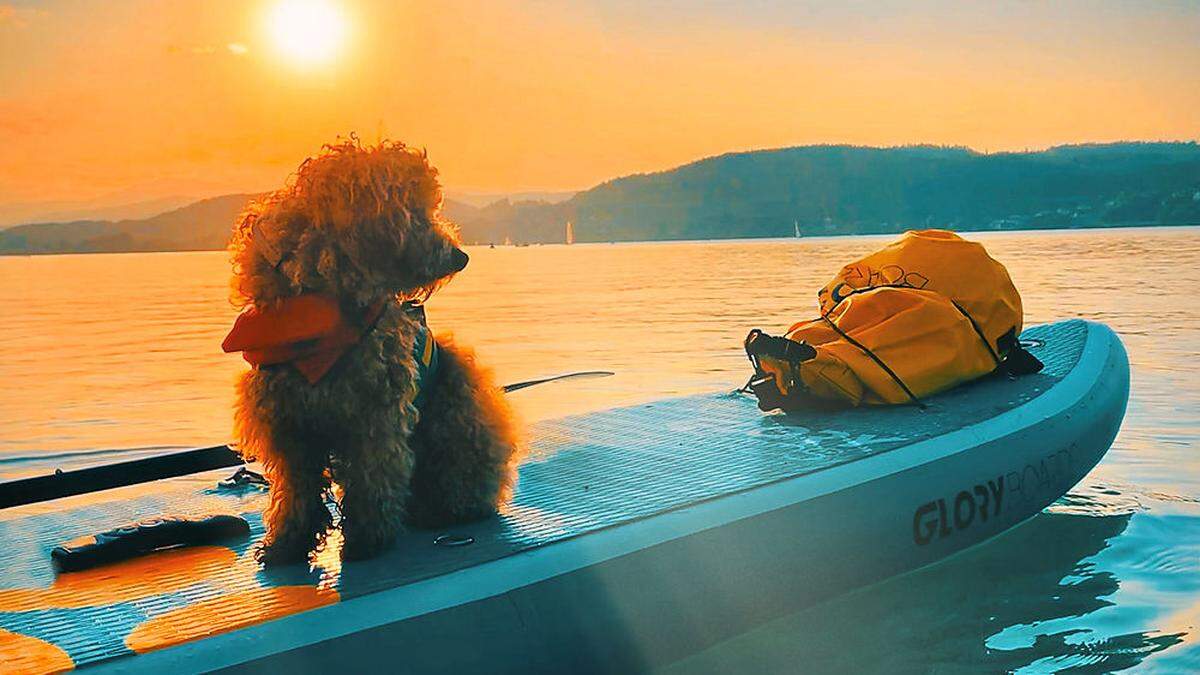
<point>106,357</point>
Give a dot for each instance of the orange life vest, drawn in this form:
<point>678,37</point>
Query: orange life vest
<point>308,331</point>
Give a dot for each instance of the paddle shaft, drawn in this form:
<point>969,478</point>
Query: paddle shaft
<point>119,474</point>
<point>530,383</point>
<point>134,472</point>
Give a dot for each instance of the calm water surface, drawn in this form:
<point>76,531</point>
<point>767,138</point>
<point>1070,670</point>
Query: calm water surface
<point>110,356</point>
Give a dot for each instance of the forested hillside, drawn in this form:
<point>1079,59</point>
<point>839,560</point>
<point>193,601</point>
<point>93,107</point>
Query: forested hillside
<point>821,189</point>
<point>849,190</point>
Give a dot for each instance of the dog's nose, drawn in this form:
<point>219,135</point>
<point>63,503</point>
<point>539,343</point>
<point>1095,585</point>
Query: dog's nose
<point>459,259</point>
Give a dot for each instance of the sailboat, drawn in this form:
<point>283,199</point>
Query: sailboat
<point>570,233</point>
<point>796,226</point>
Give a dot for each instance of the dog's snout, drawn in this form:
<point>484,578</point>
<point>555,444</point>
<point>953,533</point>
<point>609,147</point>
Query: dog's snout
<point>459,259</point>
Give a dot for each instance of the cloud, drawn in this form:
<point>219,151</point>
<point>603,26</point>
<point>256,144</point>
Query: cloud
<point>237,48</point>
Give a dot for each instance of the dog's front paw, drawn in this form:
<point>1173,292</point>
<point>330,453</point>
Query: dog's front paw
<point>277,553</point>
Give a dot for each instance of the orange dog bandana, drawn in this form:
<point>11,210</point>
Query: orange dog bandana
<point>308,331</point>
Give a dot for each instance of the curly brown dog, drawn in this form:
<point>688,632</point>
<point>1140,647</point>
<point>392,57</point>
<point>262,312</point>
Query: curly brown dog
<point>348,386</point>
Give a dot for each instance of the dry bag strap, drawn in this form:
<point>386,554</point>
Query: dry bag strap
<point>1015,360</point>
<point>982,338</point>
<point>759,344</point>
<point>878,361</point>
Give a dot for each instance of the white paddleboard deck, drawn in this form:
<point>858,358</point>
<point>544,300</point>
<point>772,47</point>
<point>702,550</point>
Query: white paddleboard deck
<point>637,535</point>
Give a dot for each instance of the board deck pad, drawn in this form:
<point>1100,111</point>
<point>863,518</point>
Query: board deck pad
<point>584,473</point>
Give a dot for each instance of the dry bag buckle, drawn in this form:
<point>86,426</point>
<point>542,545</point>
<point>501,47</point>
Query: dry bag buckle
<point>760,344</point>
<point>763,384</point>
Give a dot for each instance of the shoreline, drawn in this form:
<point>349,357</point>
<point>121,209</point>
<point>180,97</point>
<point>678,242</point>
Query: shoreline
<point>821,237</point>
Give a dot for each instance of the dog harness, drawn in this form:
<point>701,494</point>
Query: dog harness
<point>311,333</point>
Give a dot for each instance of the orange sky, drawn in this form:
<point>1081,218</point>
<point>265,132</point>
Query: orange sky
<point>130,100</point>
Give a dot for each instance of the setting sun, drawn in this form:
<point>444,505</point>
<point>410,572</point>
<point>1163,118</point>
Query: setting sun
<point>306,32</point>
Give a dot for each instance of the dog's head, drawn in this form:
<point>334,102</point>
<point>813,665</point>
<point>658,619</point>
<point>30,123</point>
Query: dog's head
<point>357,222</point>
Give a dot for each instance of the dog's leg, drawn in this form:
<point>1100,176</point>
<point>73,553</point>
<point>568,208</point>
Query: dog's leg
<point>296,517</point>
<point>374,479</point>
<point>466,444</point>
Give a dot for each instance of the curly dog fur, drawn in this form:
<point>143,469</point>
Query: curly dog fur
<point>359,224</point>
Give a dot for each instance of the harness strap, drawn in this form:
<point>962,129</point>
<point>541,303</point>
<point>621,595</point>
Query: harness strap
<point>426,354</point>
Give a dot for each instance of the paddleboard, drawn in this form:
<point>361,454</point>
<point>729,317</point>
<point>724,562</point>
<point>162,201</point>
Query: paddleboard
<point>637,536</point>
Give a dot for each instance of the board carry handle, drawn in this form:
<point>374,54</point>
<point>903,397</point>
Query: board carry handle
<point>136,539</point>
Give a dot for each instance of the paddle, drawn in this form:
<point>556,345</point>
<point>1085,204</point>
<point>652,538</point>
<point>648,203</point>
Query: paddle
<point>530,383</point>
<point>133,472</point>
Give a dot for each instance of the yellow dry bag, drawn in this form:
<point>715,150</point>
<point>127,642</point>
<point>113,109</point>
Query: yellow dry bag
<point>927,313</point>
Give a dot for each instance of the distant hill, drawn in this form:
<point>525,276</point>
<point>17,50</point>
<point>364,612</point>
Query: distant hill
<point>828,189</point>
<point>481,199</point>
<point>202,225</point>
<point>57,212</point>
<point>858,190</point>
<point>528,221</point>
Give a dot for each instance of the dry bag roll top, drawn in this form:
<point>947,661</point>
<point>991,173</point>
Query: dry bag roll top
<point>924,314</point>
<point>942,262</point>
